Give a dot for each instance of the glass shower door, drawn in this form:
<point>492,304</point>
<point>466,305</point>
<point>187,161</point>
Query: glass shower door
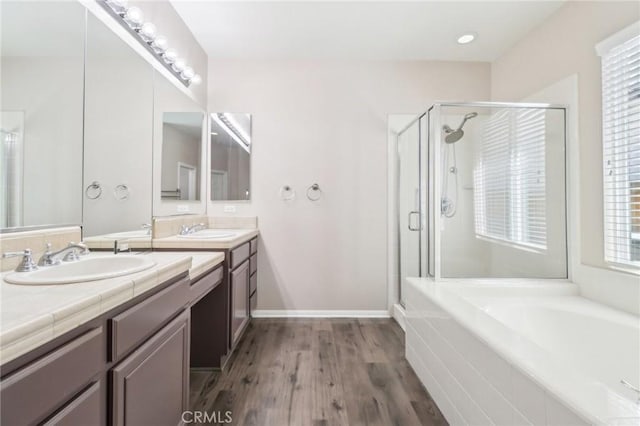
<point>410,203</point>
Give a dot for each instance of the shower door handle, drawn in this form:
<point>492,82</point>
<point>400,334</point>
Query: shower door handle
<point>411,228</point>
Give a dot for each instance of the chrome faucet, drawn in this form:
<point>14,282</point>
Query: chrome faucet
<point>186,230</point>
<point>71,253</point>
<point>27,264</point>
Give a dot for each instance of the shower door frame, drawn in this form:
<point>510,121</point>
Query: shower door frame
<point>422,202</point>
<point>433,185</point>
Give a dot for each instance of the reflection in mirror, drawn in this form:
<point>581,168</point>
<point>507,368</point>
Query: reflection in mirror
<point>41,113</point>
<point>118,137</point>
<point>181,155</point>
<point>179,151</point>
<point>230,156</point>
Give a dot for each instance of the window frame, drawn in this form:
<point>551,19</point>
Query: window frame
<point>616,163</point>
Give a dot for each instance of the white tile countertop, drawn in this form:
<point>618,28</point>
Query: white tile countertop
<point>31,315</point>
<point>177,242</point>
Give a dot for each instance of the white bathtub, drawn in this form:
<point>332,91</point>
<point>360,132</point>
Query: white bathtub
<point>522,352</point>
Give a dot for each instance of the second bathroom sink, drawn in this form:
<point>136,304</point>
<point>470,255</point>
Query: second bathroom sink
<point>210,234</point>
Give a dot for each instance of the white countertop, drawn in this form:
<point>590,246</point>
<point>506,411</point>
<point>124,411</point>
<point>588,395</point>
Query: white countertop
<point>176,242</point>
<point>33,315</point>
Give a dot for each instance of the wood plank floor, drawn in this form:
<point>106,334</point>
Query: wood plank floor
<point>318,372</point>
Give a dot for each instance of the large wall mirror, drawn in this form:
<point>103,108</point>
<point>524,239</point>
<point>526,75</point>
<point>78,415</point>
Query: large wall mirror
<point>90,133</point>
<point>118,137</point>
<point>41,110</point>
<point>230,156</point>
<point>179,152</point>
<point>181,156</point>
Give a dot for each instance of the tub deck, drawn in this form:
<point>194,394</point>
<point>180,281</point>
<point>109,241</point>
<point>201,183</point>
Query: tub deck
<point>522,352</point>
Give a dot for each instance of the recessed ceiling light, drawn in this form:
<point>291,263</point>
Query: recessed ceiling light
<point>466,38</point>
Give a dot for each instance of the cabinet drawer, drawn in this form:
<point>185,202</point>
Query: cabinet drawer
<point>151,386</point>
<point>254,301</point>
<point>41,387</point>
<point>239,255</point>
<point>139,322</point>
<point>254,264</point>
<point>254,245</point>
<point>253,283</point>
<point>83,410</point>
<point>204,285</point>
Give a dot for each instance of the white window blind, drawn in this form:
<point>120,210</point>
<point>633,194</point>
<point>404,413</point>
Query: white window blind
<point>621,148</point>
<point>509,179</point>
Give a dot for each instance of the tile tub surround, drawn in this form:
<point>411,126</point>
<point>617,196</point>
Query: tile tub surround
<point>33,315</point>
<point>176,242</point>
<point>170,225</point>
<point>483,370</point>
<point>36,241</point>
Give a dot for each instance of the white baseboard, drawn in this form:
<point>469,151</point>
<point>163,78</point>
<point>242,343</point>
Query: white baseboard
<point>399,315</point>
<point>319,314</point>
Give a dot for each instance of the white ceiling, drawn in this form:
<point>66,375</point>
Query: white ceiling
<point>392,30</point>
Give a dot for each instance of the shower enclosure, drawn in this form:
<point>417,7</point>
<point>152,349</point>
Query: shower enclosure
<point>482,193</point>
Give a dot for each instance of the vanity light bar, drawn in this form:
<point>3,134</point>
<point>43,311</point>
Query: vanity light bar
<point>222,122</point>
<point>132,19</point>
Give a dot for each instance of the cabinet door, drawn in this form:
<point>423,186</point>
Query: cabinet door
<point>239,299</point>
<point>151,386</point>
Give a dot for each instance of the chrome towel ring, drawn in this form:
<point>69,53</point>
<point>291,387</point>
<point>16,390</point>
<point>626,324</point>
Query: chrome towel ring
<point>314,193</point>
<point>93,191</point>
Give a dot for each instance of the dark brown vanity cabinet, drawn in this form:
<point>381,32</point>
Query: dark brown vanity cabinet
<point>239,300</point>
<point>129,366</point>
<point>151,386</point>
<point>57,379</point>
<point>243,279</point>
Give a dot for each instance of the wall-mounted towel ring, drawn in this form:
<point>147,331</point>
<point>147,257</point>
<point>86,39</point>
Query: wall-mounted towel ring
<point>314,193</point>
<point>287,193</point>
<point>93,191</point>
<point>121,192</point>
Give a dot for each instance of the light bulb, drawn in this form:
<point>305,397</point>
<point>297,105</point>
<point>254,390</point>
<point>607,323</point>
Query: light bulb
<point>160,44</point>
<point>148,32</point>
<point>118,6</point>
<point>133,17</point>
<point>178,65</point>
<point>170,56</point>
<point>187,73</point>
<point>196,79</point>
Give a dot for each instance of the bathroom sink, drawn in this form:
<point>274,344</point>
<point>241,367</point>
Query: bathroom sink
<point>142,233</point>
<point>88,269</point>
<point>210,234</point>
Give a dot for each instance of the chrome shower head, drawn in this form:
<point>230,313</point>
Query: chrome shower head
<point>453,136</point>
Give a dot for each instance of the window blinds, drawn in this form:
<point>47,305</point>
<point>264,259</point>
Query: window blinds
<point>621,150</point>
<point>509,179</point>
